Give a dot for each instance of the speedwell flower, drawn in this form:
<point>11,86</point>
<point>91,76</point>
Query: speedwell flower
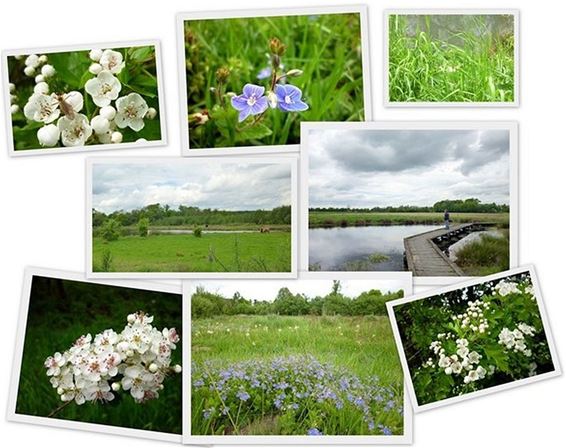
<point>74,132</point>
<point>131,110</point>
<point>104,88</point>
<point>250,102</point>
<point>289,98</point>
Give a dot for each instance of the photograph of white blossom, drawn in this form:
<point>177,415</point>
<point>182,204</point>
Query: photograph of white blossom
<point>61,101</point>
<point>101,354</point>
<point>475,339</point>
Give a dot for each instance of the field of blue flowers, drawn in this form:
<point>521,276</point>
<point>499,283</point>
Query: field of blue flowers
<point>295,375</point>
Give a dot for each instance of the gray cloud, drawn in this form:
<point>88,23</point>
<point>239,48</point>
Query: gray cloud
<point>205,184</point>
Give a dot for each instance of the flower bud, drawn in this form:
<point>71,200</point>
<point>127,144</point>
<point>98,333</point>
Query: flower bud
<point>48,136</point>
<point>99,124</point>
<point>131,318</point>
<point>14,109</point>
<point>116,137</point>
<point>48,70</point>
<point>116,387</point>
<point>153,367</point>
<point>108,112</point>
<point>222,74</point>
<point>39,78</point>
<point>12,87</point>
<point>177,368</point>
<point>60,390</point>
<point>141,140</point>
<point>32,61</point>
<point>95,54</point>
<point>95,68</point>
<point>276,47</point>
<point>151,113</point>
<point>41,87</point>
<point>42,59</point>
<point>294,73</point>
<point>272,99</point>
<point>29,71</point>
<point>129,353</point>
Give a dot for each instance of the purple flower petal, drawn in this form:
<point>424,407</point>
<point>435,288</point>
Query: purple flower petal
<point>253,90</point>
<point>264,73</point>
<point>239,102</point>
<point>260,106</point>
<point>280,92</point>
<point>244,114</point>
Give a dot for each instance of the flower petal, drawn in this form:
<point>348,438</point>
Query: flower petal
<point>245,113</point>
<point>239,102</point>
<point>260,106</point>
<point>252,89</point>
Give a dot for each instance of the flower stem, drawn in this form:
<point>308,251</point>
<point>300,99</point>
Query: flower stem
<point>60,408</point>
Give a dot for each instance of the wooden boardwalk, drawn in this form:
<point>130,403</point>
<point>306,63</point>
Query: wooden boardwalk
<point>426,259</point>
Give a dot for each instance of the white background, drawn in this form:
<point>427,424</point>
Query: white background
<point>42,198</point>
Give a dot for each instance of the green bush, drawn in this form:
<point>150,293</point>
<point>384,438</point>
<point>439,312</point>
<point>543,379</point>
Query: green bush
<point>111,230</point>
<point>143,227</point>
<point>197,232</point>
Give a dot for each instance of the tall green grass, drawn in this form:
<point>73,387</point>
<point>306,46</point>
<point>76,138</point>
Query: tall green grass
<point>488,255</point>
<point>468,67</point>
<point>60,311</point>
<point>327,48</point>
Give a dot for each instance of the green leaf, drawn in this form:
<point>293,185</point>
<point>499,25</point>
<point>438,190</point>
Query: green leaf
<point>255,132</point>
<point>497,356</point>
<point>70,67</point>
<point>138,54</point>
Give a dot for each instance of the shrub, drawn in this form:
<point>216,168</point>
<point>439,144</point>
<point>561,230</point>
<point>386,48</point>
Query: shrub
<point>197,232</point>
<point>143,227</point>
<point>111,230</point>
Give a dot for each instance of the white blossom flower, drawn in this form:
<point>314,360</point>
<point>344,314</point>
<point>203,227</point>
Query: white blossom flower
<point>54,364</point>
<point>39,78</point>
<point>463,351</point>
<point>95,68</point>
<point>41,107</point>
<point>444,362</point>
<point>104,88</point>
<point>12,87</point>
<point>505,288</point>
<point>48,135</point>
<point>100,125</point>
<point>74,132</point>
<point>474,357</point>
<point>112,60</point>
<point>131,110</point>
<point>95,54</point>
<point>32,61</point>
<point>42,59</point>
<point>14,109</point>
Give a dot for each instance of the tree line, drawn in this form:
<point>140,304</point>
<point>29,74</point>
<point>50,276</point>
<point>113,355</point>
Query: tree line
<point>470,205</point>
<point>207,304</point>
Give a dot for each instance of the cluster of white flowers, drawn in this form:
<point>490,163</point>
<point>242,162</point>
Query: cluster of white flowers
<point>463,363</point>
<point>504,288</point>
<point>473,317</point>
<point>515,340</point>
<point>136,360</point>
<point>14,108</point>
<point>74,128</point>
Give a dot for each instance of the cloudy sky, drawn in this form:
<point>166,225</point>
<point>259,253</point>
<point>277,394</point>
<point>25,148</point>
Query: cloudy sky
<point>267,289</point>
<point>204,184</point>
<point>367,168</point>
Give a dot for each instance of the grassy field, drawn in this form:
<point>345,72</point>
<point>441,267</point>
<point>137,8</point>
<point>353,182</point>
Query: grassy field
<point>360,346</point>
<point>62,311</point>
<point>487,256</point>
<point>213,252</point>
<point>326,48</point>
<point>480,68</point>
<point>345,219</point>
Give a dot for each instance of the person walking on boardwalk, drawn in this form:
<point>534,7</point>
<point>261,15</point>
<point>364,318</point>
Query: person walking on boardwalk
<point>446,220</point>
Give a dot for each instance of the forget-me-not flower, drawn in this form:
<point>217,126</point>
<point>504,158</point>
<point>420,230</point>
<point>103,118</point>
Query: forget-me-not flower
<point>289,98</point>
<point>250,102</point>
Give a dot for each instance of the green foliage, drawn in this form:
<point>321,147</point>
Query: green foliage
<point>106,261</point>
<point>488,255</point>
<point>111,230</point>
<point>468,66</point>
<point>326,48</point>
<point>197,232</point>
<point>143,227</point>
<point>212,252</point>
<point>71,74</point>
<point>62,310</point>
<point>206,304</point>
<point>448,318</point>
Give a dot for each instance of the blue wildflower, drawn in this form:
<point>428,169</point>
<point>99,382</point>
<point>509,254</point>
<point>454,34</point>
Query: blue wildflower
<point>207,412</point>
<point>250,102</point>
<point>243,395</point>
<point>198,383</point>
<point>289,100</point>
<point>264,73</point>
<point>314,432</point>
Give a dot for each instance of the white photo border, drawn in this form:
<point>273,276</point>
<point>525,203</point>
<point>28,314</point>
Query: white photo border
<point>290,159</point>
<point>405,439</point>
<point>433,293</point>
<point>450,11</point>
<point>511,126</point>
<point>11,415</point>
<point>183,17</point>
<point>12,152</point>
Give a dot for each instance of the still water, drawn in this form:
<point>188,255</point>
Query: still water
<point>348,248</point>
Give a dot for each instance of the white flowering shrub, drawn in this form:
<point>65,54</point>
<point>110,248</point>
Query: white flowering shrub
<point>137,361</point>
<point>473,338</point>
<point>78,98</point>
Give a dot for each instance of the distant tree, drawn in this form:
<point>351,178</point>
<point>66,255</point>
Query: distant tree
<point>111,230</point>
<point>143,227</point>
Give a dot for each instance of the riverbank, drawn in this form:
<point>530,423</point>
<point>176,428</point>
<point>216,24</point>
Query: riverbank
<point>363,219</point>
